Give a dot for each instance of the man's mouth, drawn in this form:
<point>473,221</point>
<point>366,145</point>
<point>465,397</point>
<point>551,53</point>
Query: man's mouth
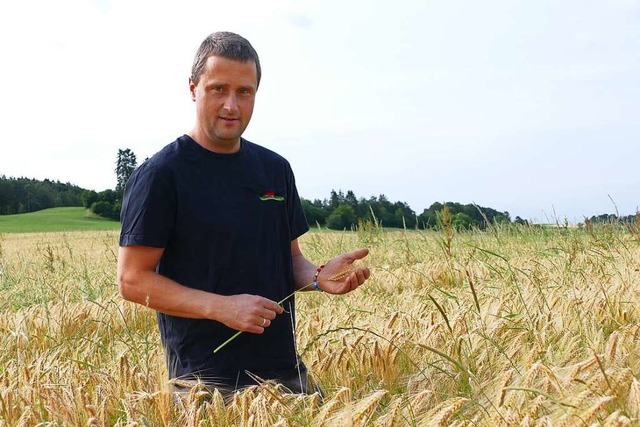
<point>229,119</point>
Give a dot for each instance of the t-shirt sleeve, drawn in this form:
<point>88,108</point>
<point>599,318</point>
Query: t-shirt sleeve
<point>297,219</point>
<point>148,208</point>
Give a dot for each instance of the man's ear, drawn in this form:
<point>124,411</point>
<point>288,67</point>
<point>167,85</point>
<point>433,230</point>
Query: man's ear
<point>192,89</point>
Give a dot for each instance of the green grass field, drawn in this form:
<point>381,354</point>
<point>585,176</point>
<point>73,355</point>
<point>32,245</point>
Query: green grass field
<point>55,219</point>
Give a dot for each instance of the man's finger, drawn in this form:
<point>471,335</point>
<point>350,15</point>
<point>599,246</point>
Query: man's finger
<point>358,254</point>
<point>269,314</point>
<point>277,308</point>
<point>273,306</point>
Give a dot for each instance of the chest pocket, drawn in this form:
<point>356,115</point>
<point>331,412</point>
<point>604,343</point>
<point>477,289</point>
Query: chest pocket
<point>246,210</point>
<point>268,206</point>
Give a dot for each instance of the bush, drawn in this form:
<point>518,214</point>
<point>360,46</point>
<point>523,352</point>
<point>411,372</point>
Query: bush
<point>343,217</point>
<point>115,213</point>
<point>88,198</point>
<point>108,196</point>
<point>103,209</point>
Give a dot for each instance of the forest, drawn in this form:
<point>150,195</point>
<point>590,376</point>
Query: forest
<point>340,211</point>
<point>345,211</point>
<point>23,195</point>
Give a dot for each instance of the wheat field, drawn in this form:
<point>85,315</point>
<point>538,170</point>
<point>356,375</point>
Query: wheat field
<point>513,326</point>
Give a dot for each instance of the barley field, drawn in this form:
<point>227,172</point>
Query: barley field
<point>512,326</point>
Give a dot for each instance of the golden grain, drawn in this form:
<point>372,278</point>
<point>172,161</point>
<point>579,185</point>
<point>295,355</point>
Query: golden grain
<point>542,323</point>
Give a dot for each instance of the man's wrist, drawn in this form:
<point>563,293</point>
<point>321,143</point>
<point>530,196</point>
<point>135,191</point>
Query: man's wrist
<point>315,285</point>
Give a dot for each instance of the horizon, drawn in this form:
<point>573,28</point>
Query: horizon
<point>550,221</point>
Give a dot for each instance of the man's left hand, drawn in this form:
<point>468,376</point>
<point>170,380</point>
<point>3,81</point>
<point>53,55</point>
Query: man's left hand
<point>340,264</point>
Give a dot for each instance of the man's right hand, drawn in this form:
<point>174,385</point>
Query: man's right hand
<point>250,313</point>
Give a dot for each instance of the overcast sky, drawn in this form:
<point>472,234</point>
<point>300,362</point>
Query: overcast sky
<point>530,107</point>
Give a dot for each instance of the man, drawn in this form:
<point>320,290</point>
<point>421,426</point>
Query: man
<point>209,238</point>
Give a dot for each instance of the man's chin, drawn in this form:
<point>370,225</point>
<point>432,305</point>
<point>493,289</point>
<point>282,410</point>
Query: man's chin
<point>225,143</point>
<point>228,137</point>
<point>228,140</point>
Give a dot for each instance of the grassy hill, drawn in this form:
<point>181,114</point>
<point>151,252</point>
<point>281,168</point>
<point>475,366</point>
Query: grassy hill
<point>55,219</point>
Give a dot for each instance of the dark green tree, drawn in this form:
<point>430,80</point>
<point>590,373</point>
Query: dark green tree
<point>351,200</point>
<point>108,195</point>
<point>106,203</point>
<point>315,212</point>
<point>125,165</point>
<point>336,199</point>
<point>521,221</point>
<point>403,216</point>
<point>462,221</point>
<point>88,197</point>
<point>343,217</point>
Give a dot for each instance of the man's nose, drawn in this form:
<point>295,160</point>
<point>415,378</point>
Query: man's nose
<point>231,103</point>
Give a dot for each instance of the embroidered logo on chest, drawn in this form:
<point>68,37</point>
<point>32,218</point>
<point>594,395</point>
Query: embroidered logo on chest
<point>271,195</point>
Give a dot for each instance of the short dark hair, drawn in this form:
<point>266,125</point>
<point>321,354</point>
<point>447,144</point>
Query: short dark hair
<point>227,45</point>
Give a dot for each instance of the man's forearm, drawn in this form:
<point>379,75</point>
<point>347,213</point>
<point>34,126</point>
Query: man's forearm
<point>303,271</point>
<point>139,282</point>
<point>169,297</point>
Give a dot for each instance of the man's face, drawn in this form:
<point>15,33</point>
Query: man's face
<point>224,97</point>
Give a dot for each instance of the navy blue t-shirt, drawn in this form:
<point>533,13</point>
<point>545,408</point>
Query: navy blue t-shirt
<point>226,222</point>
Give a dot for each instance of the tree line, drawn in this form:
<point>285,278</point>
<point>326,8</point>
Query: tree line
<point>341,211</point>
<point>345,211</point>
<point>23,195</point>
<point>612,219</point>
